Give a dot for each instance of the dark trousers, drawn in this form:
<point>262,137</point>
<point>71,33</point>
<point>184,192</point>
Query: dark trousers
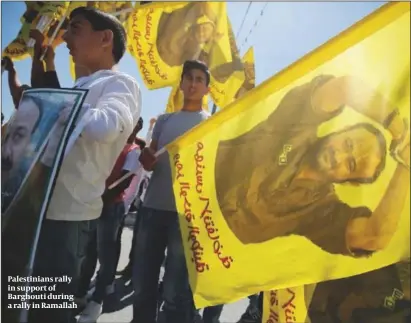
<point>120,232</point>
<point>212,314</point>
<point>102,246</point>
<point>60,252</point>
<point>158,230</point>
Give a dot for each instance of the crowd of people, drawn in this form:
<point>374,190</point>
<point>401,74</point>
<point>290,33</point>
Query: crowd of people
<point>86,215</point>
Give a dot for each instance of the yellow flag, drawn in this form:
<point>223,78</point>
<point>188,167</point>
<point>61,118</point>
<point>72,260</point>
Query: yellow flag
<point>17,49</point>
<point>284,306</point>
<point>294,182</point>
<point>237,84</point>
<point>249,70</point>
<point>176,100</point>
<point>164,37</point>
<point>228,75</point>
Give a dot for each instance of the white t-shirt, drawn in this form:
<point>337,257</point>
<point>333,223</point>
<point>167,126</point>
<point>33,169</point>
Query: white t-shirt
<point>110,113</point>
<point>131,163</point>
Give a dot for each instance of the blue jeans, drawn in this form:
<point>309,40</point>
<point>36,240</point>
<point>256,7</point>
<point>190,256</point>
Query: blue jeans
<point>158,230</point>
<point>107,231</point>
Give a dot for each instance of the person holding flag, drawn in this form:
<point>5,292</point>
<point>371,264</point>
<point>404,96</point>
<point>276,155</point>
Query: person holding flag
<point>159,227</point>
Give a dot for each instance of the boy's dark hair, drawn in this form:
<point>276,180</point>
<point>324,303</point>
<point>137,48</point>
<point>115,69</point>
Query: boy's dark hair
<point>99,21</point>
<point>196,65</point>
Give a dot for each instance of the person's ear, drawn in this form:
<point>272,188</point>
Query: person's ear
<point>107,38</point>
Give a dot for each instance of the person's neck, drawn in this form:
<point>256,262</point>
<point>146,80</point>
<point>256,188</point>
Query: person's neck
<point>99,66</point>
<point>192,106</point>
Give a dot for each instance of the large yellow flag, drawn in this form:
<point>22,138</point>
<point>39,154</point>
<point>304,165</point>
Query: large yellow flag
<point>294,183</point>
<point>164,37</point>
<point>35,11</point>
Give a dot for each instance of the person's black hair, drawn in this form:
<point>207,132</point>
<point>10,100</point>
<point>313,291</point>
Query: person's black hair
<point>99,21</point>
<point>382,145</point>
<point>2,118</point>
<point>140,122</point>
<point>196,65</point>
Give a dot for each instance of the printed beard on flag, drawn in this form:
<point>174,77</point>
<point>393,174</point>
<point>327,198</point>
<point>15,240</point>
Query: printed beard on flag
<point>164,36</point>
<point>47,12</point>
<point>32,152</point>
<point>294,182</point>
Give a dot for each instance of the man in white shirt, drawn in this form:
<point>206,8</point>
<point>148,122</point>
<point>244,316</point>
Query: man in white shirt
<point>97,42</point>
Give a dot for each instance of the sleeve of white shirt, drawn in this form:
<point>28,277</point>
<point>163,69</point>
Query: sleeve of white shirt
<point>116,111</point>
<point>131,163</point>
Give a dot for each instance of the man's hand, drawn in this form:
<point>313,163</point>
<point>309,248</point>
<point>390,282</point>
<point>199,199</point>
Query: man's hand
<point>39,40</point>
<point>49,58</point>
<point>8,64</point>
<point>152,123</point>
<point>400,143</point>
<point>148,159</point>
<point>400,149</point>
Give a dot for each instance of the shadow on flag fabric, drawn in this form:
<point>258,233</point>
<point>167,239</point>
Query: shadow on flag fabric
<point>32,152</point>
<point>300,180</point>
<point>378,296</point>
<point>38,15</point>
<point>164,35</point>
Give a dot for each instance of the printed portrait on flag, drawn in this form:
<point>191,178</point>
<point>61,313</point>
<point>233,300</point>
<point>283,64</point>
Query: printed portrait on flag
<point>164,35</point>
<point>307,175</point>
<point>186,33</point>
<point>284,184</point>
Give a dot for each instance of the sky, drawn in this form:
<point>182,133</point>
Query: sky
<point>284,32</point>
